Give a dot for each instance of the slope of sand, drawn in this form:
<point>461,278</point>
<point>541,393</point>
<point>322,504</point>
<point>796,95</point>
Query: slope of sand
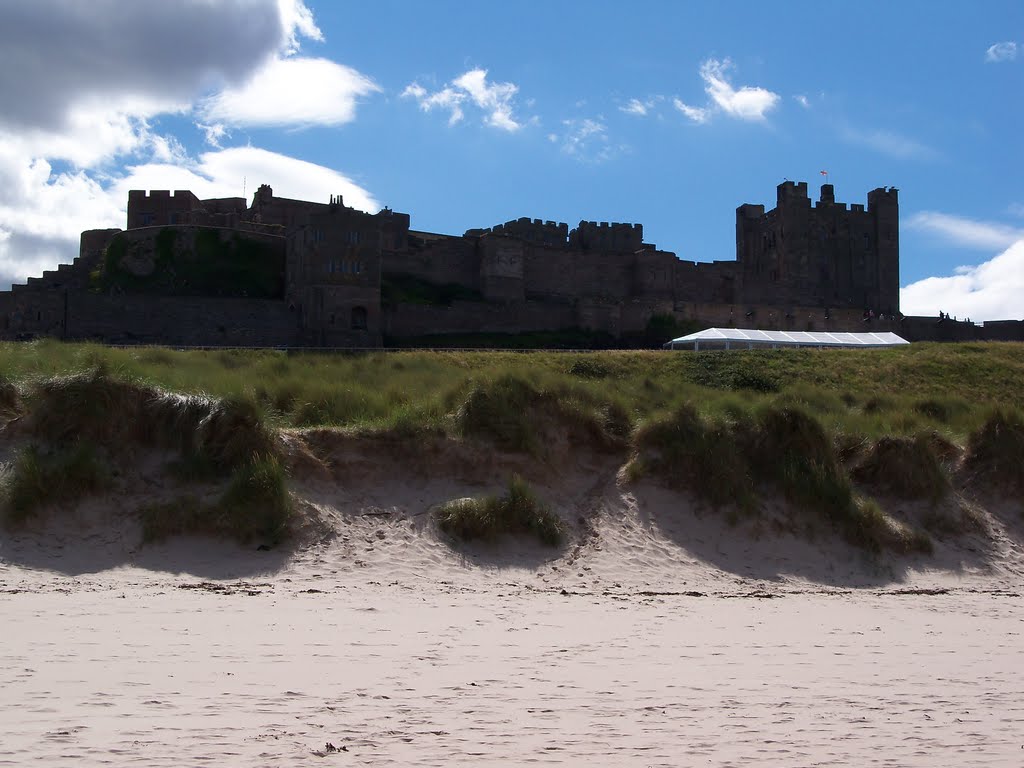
<point>660,635</point>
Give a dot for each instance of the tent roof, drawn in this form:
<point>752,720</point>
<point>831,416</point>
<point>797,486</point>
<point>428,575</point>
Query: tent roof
<point>792,338</point>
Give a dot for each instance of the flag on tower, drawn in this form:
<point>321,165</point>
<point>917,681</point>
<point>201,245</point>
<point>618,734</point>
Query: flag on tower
<point>824,173</point>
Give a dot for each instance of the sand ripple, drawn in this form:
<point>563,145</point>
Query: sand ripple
<point>391,676</point>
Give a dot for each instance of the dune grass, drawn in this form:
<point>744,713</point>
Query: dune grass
<point>517,511</point>
<point>876,393</point>
<point>807,424</point>
<point>38,478</point>
<point>995,452</point>
<point>256,505</point>
<point>908,468</point>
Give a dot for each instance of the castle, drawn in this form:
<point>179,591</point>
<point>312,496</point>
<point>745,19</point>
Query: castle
<point>283,272</point>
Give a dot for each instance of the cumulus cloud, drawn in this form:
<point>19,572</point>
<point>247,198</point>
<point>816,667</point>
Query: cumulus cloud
<point>291,91</point>
<point>745,103</point>
<point>495,100</point>
<point>82,83</point>
<point>802,100</point>
<point>696,114</point>
<point>65,56</point>
<point>962,231</point>
<point>1001,52</point>
<point>750,103</point>
<point>988,291</point>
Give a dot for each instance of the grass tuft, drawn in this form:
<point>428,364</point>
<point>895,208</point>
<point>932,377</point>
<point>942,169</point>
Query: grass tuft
<point>995,452</point>
<point>255,505</point>
<point>790,450</point>
<point>37,478</point>
<point>689,451</point>
<point>518,511</point>
<point>904,467</point>
<point>518,415</point>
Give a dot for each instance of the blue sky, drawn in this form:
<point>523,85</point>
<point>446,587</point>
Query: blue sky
<point>467,115</point>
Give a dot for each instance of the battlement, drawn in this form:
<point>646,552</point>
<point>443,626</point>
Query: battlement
<point>161,195</point>
<point>883,196</point>
<point>607,236</point>
<point>791,190</point>
<point>540,231</point>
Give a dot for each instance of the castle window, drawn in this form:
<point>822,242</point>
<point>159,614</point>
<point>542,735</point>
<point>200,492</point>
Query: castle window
<point>358,318</point>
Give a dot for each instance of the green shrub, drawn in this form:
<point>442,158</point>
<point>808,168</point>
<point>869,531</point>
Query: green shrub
<point>255,505</point>
<point>791,451</point>
<point>995,452</point>
<point>516,415</point>
<point>688,451</point>
<point>516,512</point>
<point>38,478</point>
<point>904,467</point>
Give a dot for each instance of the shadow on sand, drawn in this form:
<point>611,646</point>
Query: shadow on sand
<point>780,542</point>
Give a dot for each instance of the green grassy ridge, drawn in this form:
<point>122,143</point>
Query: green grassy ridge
<point>874,392</point>
<point>806,423</point>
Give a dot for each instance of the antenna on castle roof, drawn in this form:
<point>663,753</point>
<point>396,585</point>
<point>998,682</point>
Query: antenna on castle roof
<point>243,186</point>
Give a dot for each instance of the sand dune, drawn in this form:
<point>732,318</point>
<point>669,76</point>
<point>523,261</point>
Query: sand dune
<point>659,635</point>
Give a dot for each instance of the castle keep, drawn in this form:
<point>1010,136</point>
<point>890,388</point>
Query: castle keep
<point>285,272</point>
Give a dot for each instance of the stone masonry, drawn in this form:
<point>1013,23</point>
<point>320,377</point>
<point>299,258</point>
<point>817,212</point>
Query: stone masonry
<point>338,277</point>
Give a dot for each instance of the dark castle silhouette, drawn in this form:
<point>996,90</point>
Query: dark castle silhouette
<point>283,272</point>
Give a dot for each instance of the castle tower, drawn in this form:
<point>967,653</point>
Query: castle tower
<point>823,255</point>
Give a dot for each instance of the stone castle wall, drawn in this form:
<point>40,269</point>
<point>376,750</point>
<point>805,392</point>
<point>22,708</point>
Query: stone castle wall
<point>799,266</point>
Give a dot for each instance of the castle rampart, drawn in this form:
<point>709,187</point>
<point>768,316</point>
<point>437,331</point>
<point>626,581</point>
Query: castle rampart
<point>309,273</point>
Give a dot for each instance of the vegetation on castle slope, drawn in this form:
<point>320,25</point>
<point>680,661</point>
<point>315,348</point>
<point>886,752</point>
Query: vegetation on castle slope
<point>827,429</point>
<point>192,262</point>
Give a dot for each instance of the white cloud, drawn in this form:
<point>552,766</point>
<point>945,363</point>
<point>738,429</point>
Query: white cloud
<point>750,103</point>
<point>747,103</point>
<point>802,100</point>
<point>988,291</point>
<point>292,91</point>
<point>966,232</point>
<point>587,140</point>
<point>635,107</point>
<point>698,115</point>
<point>495,100</point>
<point>298,23</point>
<point>63,57</point>
<point>1001,52</point>
<point>641,108</point>
<point>214,133</point>
<point>82,81</point>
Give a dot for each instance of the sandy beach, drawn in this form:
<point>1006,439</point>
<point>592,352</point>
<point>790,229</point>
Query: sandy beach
<point>660,636</point>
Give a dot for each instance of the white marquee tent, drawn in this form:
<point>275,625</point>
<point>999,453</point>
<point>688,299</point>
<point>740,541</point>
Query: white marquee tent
<point>729,338</point>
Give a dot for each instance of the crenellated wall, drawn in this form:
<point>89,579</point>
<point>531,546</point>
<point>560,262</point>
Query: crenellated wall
<point>802,265</point>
